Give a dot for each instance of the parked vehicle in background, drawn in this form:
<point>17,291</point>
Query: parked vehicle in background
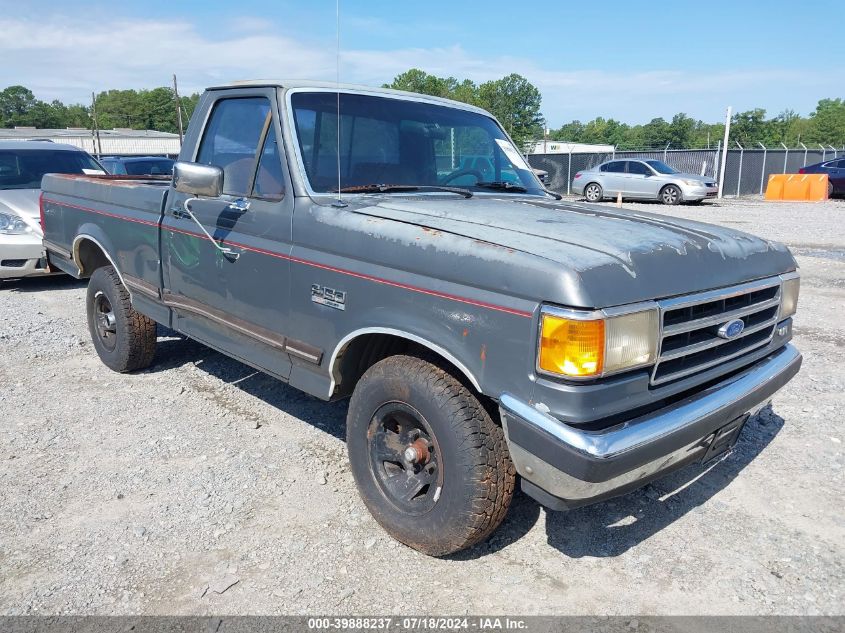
<point>542,175</point>
<point>481,328</point>
<point>835,170</point>
<point>643,179</point>
<point>138,165</point>
<point>22,164</point>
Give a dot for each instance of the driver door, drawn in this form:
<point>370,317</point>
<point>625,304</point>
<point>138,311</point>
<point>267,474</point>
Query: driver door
<point>641,182</point>
<point>237,301</point>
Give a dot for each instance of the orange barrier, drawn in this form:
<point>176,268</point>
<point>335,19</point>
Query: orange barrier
<point>807,187</point>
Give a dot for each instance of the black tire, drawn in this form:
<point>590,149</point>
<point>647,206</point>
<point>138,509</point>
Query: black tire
<point>466,460</point>
<point>125,340</point>
<point>671,195</point>
<point>593,192</point>
<point>829,189</point>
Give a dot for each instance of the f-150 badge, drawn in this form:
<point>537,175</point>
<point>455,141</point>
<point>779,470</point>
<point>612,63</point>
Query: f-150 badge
<point>328,297</point>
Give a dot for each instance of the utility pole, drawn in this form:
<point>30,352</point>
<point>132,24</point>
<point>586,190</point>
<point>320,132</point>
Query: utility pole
<point>96,125</point>
<point>724,151</point>
<point>178,109</point>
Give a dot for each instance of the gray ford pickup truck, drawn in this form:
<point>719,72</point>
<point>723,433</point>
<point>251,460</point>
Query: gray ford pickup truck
<point>483,328</point>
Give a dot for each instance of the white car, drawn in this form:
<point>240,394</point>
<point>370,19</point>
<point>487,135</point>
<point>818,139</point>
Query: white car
<point>642,178</point>
<point>22,164</point>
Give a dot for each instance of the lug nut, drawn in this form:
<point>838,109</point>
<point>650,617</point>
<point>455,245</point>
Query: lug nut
<point>411,454</point>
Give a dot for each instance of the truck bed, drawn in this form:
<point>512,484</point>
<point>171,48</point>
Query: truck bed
<point>121,214</point>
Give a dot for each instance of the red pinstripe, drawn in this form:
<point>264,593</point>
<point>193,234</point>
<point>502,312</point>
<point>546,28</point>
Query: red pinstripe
<point>307,262</point>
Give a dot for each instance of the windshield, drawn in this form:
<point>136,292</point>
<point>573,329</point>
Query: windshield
<point>661,168</point>
<point>401,142</point>
<point>23,168</point>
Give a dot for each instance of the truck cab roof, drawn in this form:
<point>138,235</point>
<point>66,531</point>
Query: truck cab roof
<point>297,84</point>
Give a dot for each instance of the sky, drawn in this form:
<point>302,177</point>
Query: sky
<point>631,61</point>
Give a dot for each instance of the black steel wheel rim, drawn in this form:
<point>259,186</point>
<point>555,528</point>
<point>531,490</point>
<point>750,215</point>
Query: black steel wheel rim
<point>405,458</point>
<point>105,323</point>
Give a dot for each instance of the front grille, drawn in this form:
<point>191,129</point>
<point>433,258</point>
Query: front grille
<point>689,339</point>
<point>13,263</point>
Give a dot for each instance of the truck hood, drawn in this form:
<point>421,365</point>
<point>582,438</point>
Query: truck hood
<point>605,256</point>
<point>24,204</point>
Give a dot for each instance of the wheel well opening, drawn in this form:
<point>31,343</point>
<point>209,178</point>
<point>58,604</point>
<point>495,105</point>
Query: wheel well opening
<point>90,257</point>
<point>362,353</point>
<point>366,350</point>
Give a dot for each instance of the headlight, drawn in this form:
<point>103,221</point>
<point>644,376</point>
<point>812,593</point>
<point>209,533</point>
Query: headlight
<point>693,183</point>
<point>790,286</point>
<point>591,344</point>
<point>13,225</point>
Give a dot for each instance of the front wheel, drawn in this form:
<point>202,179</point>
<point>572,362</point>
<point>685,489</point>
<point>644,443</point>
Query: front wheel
<point>430,464</point>
<point>125,339</point>
<point>593,192</point>
<point>670,195</point>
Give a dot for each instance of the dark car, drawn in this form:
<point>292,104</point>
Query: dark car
<point>835,170</point>
<point>138,165</point>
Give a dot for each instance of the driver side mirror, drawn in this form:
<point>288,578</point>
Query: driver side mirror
<point>198,180</point>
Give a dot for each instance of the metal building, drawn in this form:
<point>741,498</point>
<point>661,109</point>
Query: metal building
<point>116,142</point>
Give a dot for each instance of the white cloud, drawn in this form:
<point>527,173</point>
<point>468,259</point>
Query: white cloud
<point>65,57</point>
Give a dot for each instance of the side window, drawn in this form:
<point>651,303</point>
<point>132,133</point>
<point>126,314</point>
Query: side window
<point>230,140</point>
<point>269,181</point>
<point>616,167</point>
<point>635,167</point>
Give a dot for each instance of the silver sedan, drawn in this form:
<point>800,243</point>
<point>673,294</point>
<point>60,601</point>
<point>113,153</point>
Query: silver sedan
<point>649,179</point>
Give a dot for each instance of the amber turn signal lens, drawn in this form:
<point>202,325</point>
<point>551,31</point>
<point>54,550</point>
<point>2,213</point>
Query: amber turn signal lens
<point>572,347</point>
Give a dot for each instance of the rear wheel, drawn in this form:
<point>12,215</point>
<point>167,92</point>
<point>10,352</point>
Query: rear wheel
<point>829,189</point>
<point>593,192</point>
<point>670,194</point>
<point>430,464</point>
<point>125,339</point>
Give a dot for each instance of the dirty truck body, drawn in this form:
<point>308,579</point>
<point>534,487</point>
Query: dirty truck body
<point>483,329</point>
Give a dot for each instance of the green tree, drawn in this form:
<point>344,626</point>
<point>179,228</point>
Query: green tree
<point>681,130</point>
<point>827,122</point>
<point>16,104</point>
<point>749,127</point>
<point>515,102</point>
<point>416,80</point>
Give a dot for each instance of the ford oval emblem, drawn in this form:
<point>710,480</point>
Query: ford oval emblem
<point>732,329</point>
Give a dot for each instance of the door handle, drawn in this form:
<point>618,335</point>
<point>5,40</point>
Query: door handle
<point>239,204</point>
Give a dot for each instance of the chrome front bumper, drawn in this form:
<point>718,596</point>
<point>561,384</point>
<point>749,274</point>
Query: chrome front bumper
<point>565,467</point>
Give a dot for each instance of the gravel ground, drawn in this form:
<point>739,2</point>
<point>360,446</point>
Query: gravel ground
<point>202,487</point>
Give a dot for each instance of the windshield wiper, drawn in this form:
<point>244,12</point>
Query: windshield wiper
<point>379,188</point>
<point>502,185</point>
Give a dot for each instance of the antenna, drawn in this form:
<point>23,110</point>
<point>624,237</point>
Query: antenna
<point>339,202</point>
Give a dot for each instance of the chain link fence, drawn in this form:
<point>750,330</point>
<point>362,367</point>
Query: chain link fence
<point>747,170</point>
